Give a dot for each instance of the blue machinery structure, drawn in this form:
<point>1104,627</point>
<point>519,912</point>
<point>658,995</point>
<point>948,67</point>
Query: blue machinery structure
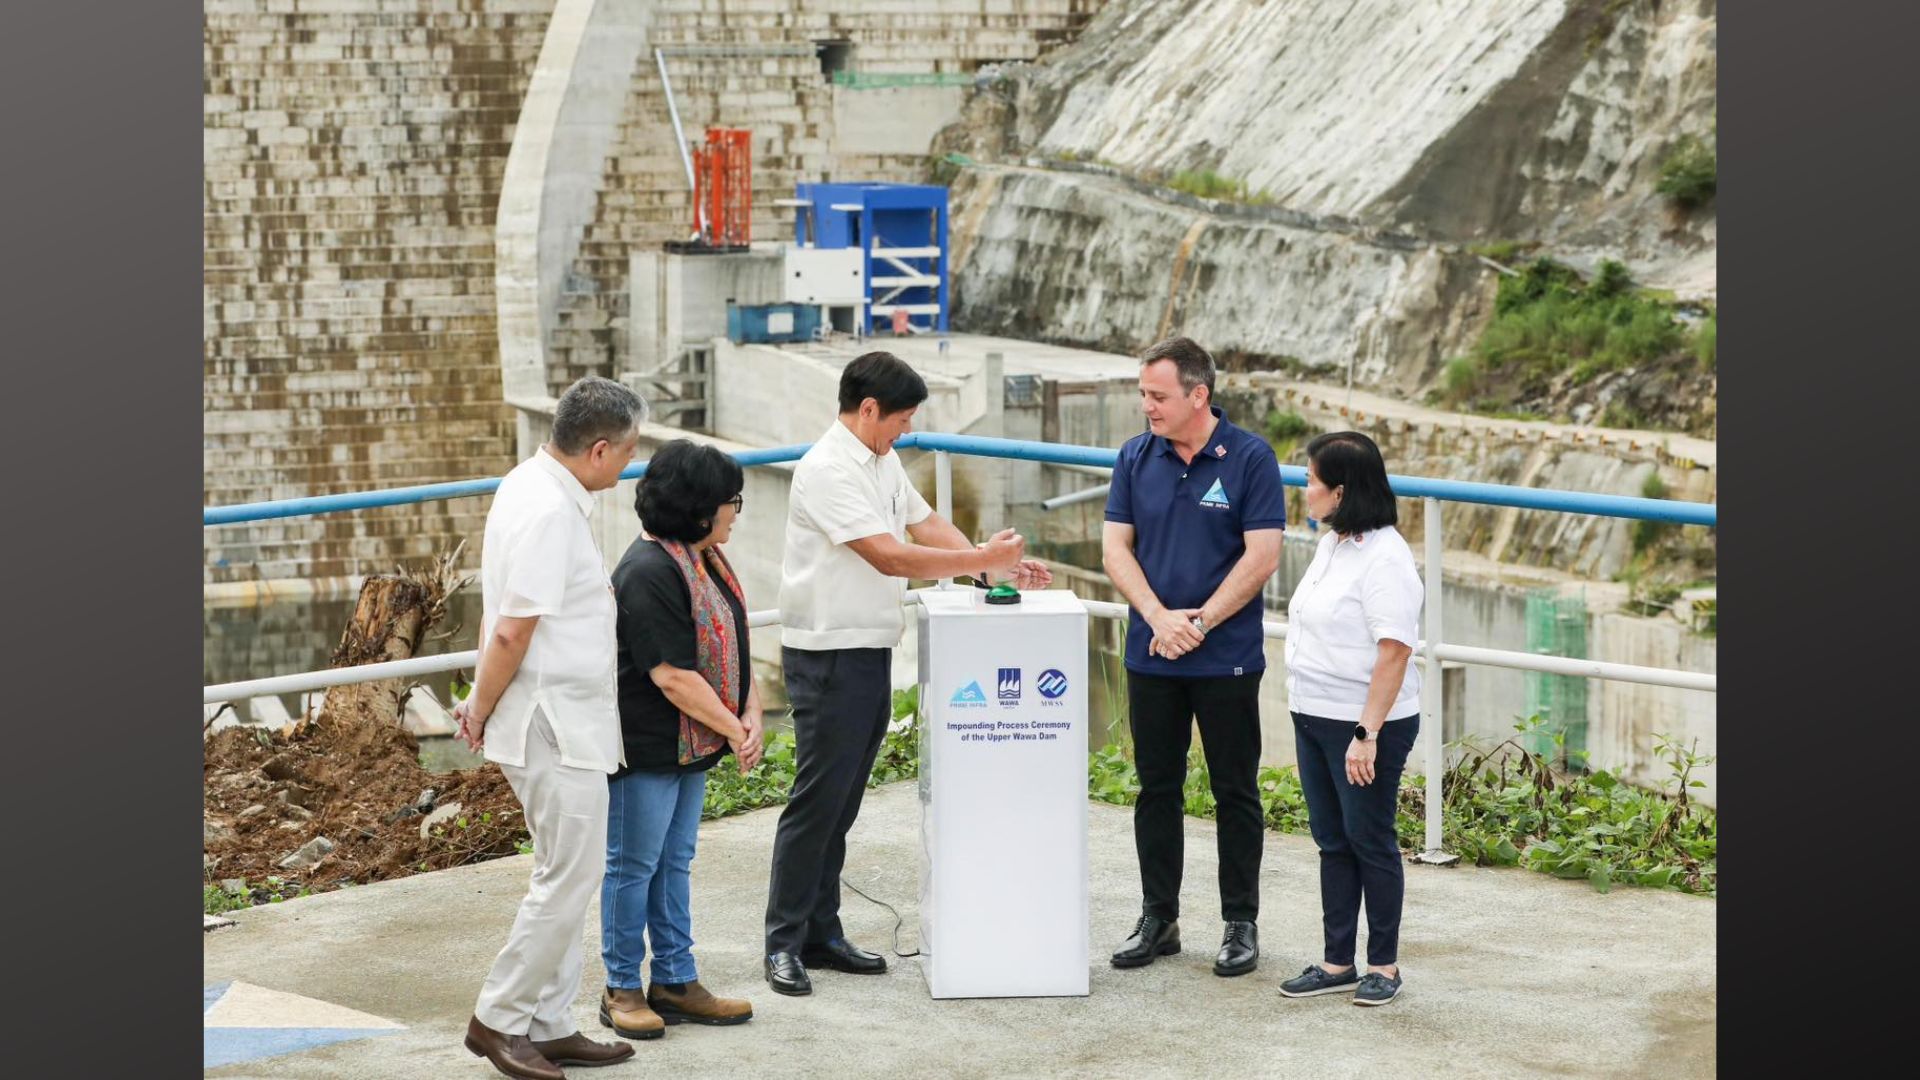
<point>901,229</point>
<point>772,323</point>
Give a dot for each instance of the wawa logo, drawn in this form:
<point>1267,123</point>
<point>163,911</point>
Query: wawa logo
<point>1009,691</point>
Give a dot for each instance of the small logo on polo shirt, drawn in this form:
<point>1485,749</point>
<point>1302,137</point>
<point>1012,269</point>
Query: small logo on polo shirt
<point>1220,450</point>
<point>1215,496</point>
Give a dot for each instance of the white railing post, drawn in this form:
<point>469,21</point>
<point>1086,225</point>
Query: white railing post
<point>943,492</point>
<point>1433,692</point>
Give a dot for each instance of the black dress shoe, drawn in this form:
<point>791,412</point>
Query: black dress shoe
<point>843,955</point>
<point>787,976</point>
<point>1152,937</point>
<point>1239,950</point>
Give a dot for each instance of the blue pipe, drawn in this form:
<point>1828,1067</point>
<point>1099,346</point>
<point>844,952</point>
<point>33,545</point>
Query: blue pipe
<point>362,500</point>
<point>1570,502</point>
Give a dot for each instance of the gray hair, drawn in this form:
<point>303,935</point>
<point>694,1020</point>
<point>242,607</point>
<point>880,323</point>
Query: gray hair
<point>1189,359</point>
<point>593,409</point>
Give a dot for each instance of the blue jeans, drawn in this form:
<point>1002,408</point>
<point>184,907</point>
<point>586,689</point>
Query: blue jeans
<point>1354,828</point>
<point>653,822</point>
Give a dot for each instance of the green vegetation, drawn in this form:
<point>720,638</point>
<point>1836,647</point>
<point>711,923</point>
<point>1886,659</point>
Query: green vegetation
<point>1208,184</point>
<point>1285,429</point>
<point>1689,175</point>
<point>1500,251</point>
<point>1705,339</point>
<point>218,898</point>
<point>729,793</point>
<point>1647,534</point>
<point>1619,414</point>
<point>1507,806</point>
<point>1286,425</point>
<point>1547,321</point>
<point>769,783</point>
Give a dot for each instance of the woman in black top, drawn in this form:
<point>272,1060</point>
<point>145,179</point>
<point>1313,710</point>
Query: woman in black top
<point>687,699</point>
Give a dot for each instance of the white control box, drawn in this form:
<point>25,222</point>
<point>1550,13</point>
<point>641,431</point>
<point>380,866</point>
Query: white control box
<point>834,276</point>
<point>1003,795</point>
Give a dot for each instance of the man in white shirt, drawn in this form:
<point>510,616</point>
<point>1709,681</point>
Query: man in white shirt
<point>544,707</point>
<point>841,588</point>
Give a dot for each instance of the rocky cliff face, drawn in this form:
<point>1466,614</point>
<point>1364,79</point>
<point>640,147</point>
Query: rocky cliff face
<point>1373,142</point>
<point>1090,259</point>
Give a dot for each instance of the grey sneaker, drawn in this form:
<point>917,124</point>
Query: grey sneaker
<point>1318,980</point>
<point>1376,989</point>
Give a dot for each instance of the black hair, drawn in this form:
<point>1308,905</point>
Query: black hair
<point>1193,363</point>
<point>682,489</point>
<point>592,409</point>
<point>883,377</point>
<point>1351,460</point>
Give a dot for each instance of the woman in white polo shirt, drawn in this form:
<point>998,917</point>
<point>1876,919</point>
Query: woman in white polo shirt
<point>1351,626</point>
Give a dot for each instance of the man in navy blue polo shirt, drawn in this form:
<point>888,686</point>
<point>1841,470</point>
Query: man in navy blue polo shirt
<point>1194,518</point>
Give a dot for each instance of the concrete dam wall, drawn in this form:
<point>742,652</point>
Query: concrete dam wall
<point>355,154</point>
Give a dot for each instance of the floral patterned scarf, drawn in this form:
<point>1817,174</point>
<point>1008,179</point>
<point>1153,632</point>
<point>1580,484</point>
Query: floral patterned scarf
<point>717,643</point>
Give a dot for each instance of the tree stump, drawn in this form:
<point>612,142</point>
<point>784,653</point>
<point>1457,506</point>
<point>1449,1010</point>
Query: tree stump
<point>390,621</point>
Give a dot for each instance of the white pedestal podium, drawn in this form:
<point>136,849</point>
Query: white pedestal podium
<point>1003,795</point>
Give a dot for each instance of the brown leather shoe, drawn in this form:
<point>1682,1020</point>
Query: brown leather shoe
<point>513,1055</point>
<point>694,1004</point>
<point>577,1049</point>
<point>629,1015</point>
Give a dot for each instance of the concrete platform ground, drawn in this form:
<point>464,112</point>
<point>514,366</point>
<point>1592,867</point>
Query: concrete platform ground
<point>1509,973</point>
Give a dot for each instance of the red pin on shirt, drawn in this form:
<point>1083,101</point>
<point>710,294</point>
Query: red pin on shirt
<point>1220,450</point>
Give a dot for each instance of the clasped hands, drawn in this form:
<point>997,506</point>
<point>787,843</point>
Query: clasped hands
<point>1174,634</point>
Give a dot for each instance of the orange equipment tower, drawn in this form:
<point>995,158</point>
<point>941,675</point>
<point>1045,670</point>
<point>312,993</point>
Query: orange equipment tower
<point>723,189</point>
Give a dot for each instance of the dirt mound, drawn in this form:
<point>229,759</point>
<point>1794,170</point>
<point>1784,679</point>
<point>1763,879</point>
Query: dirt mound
<point>359,786</point>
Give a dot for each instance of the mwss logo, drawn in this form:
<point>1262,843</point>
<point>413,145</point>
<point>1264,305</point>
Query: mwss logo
<point>1052,684</point>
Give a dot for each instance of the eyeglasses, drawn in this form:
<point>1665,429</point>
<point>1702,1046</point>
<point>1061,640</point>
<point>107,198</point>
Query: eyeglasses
<point>738,502</point>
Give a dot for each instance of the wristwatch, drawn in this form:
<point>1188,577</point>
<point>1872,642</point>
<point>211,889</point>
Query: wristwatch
<point>1360,733</point>
<point>1200,624</point>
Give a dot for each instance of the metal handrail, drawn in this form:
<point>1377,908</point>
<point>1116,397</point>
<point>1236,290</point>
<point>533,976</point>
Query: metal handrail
<point>1570,502</point>
<point>1432,649</point>
<point>307,681</point>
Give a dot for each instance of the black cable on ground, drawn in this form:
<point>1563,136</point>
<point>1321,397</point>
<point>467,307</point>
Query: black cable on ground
<point>897,920</point>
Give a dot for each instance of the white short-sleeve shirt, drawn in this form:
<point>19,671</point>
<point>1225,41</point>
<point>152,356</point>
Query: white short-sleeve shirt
<point>1358,590</point>
<point>830,597</point>
<point>539,558</point>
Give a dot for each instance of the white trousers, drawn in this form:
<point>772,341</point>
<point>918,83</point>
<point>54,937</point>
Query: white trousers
<point>536,977</point>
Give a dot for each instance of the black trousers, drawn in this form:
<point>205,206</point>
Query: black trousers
<point>842,700</point>
<point>1162,712</point>
<point>1354,829</point>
